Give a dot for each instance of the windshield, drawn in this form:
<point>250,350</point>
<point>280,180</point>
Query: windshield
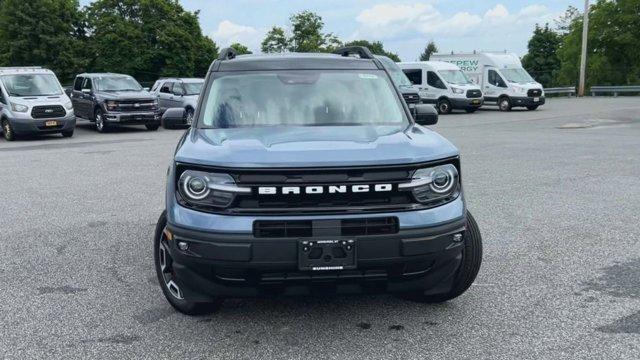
<point>117,83</point>
<point>302,98</point>
<point>192,88</point>
<point>397,75</point>
<point>31,85</point>
<point>454,77</point>
<point>520,76</point>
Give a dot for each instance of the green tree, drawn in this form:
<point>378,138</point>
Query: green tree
<point>276,41</point>
<point>376,47</point>
<point>306,36</point>
<point>613,52</point>
<point>147,38</point>
<point>429,50</point>
<point>42,33</point>
<point>542,61</point>
<point>241,49</point>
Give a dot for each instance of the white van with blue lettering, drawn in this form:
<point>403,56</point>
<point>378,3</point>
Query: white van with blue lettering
<point>444,85</point>
<point>503,80</point>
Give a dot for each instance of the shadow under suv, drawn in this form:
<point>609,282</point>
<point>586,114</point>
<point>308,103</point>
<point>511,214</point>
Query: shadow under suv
<point>307,174</point>
<point>113,99</point>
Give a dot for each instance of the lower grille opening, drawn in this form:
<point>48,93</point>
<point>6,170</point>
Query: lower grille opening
<point>305,228</point>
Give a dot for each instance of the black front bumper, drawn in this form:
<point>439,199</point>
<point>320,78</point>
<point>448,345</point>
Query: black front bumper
<point>527,101</point>
<point>232,265</point>
<point>468,103</point>
<point>137,118</point>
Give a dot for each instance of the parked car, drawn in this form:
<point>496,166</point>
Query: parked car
<point>443,85</point>
<point>503,79</point>
<point>178,93</point>
<point>32,101</point>
<point>114,99</point>
<point>410,95</point>
<point>306,174</point>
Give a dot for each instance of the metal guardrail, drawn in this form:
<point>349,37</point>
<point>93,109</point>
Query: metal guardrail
<point>614,89</point>
<point>569,90</point>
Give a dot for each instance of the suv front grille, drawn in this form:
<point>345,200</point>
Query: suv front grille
<point>47,111</point>
<point>534,92</point>
<point>471,94</point>
<point>307,228</point>
<point>329,201</point>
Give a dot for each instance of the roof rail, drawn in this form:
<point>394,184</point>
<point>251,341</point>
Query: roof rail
<point>19,67</point>
<point>362,51</point>
<point>227,54</point>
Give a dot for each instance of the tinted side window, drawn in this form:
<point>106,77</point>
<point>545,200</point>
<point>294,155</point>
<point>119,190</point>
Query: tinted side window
<point>166,88</point>
<point>3,99</point>
<point>77,85</point>
<point>87,84</point>
<point>434,80</point>
<point>495,79</point>
<point>414,75</point>
<point>178,89</point>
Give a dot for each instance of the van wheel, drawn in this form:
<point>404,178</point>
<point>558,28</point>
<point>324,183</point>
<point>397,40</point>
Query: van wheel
<point>166,276</point>
<point>444,106</point>
<point>7,131</point>
<point>504,104</point>
<point>101,125</point>
<point>533,107</point>
<point>471,261</point>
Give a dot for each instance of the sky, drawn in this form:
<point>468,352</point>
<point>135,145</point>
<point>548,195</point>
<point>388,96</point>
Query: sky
<point>403,26</point>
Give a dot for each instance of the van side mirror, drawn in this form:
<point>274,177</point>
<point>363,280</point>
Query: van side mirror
<point>425,114</point>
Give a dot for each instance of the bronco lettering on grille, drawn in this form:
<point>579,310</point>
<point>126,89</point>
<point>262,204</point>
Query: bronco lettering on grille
<point>331,189</point>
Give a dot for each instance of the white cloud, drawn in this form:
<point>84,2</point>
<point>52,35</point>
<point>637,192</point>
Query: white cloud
<point>387,21</point>
<point>229,32</point>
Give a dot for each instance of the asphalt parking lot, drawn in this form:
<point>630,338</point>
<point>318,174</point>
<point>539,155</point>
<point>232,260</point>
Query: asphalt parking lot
<point>556,193</point>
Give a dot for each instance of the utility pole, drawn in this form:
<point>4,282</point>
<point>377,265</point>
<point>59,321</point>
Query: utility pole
<point>583,57</point>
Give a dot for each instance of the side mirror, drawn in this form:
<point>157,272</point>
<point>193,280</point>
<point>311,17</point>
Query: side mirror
<point>178,93</point>
<point>425,114</point>
<point>174,116</point>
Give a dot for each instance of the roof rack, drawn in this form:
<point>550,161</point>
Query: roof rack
<point>227,54</point>
<point>362,51</point>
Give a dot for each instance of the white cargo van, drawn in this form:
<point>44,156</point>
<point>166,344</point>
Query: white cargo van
<point>33,102</point>
<point>503,80</point>
<point>444,85</point>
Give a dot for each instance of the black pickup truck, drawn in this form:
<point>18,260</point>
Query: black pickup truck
<point>113,99</point>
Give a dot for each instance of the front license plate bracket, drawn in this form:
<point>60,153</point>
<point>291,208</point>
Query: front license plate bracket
<point>327,255</point>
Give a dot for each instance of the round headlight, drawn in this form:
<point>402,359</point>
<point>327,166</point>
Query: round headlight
<point>195,187</point>
<point>442,181</point>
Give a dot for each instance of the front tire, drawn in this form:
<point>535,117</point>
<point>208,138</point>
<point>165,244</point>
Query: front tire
<point>532,107</point>
<point>444,106</point>
<point>152,127</point>
<point>101,125</point>
<point>7,131</point>
<point>189,116</point>
<point>466,274</point>
<point>169,284</point>
<point>67,133</point>
<point>504,104</point>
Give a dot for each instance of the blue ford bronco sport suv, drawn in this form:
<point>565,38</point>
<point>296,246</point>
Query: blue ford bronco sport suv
<point>307,174</point>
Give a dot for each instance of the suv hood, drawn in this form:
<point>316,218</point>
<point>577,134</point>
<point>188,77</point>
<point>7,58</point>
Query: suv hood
<point>127,95</point>
<point>325,146</point>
